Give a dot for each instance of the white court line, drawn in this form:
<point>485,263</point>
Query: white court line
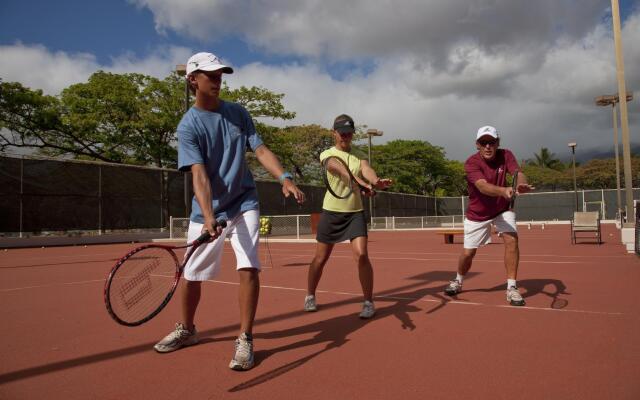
<point>66,283</point>
<point>456,302</point>
<point>336,253</point>
<point>455,258</point>
<point>51,285</point>
<point>475,259</point>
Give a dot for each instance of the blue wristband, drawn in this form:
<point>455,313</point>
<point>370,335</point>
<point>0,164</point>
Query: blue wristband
<point>285,175</point>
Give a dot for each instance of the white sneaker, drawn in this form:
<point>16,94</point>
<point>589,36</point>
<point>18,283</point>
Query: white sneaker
<point>368,310</point>
<point>177,339</point>
<point>243,356</point>
<point>514,297</point>
<point>453,288</point>
<point>310,303</point>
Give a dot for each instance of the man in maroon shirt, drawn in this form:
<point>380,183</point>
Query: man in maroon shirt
<point>489,203</point>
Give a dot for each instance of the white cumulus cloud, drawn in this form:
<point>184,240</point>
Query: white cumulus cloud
<point>435,70</point>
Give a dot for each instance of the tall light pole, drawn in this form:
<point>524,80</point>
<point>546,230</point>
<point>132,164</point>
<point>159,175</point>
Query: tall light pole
<point>573,158</point>
<point>611,100</point>
<point>371,132</point>
<point>181,69</point>
<point>626,147</point>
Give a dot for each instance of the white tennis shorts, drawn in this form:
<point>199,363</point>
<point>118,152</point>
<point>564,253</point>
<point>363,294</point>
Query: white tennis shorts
<point>243,233</point>
<point>478,234</point>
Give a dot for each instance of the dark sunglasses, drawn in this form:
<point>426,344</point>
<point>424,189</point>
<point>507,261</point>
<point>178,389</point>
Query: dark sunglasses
<point>491,142</point>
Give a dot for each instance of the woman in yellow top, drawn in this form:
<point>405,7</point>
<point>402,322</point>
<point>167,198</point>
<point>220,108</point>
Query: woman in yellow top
<point>343,219</point>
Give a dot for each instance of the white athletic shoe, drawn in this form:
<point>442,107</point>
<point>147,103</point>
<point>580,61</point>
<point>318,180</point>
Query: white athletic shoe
<point>243,356</point>
<point>368,310</point>
<point>514,297</point>
<point>177,339</point>
<point>453,288</point>
<point>310,303</point>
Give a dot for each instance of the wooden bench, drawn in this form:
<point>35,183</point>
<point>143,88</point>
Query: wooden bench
<point>449,234</point>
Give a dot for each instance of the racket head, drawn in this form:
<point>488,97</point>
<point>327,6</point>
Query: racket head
<point>337,177</point>
<point>141,284</point>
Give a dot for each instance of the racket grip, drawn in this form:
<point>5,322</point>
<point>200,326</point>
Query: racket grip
<point>206,235</point>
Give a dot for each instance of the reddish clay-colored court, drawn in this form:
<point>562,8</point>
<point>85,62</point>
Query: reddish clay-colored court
<point>577,338</point>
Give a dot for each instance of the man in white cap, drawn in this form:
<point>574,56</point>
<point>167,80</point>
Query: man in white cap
<point>489,204</point>
<point>213,137</point>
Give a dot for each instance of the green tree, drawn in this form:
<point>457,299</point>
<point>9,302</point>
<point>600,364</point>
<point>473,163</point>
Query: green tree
<point>298,148</point>
<point>302,146</point>
<point>119,118</point>
<point>32,119</point>
<point>601,174</point>
<point>546,159</point>
<point>259,101</point>
<point>415,166</point>
<point>544,178</point>
<point>455,183</point>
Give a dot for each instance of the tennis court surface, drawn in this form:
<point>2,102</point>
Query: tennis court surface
<point>577,338</point>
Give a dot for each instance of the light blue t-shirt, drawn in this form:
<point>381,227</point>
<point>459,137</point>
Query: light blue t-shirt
<point>219,139</point>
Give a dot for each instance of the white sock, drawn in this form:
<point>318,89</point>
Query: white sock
<point>459,277</point>
<point>511,283</point>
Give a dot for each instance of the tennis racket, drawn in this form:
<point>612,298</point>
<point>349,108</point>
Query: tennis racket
<point>339,180</point>
<point>514,186</point>
<point>142,282</point>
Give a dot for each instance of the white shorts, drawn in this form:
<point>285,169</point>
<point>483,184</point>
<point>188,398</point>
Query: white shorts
<point>478,234</point>
<point>243,233</point>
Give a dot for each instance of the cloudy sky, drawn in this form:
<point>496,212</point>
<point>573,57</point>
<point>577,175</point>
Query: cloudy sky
<point>417,69</point>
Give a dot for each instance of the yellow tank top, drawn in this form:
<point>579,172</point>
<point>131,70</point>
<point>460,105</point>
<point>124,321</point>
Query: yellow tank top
<point>352,203</point>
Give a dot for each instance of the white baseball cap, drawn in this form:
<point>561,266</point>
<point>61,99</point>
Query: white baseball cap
<point>206,62</point>
<point>487,130</point>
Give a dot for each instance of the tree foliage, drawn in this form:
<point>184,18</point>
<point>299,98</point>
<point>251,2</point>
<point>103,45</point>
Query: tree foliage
<point>415,166</point>
<point>260,102</point>
<point>544,178</point>
<point>601,173</point>
<point>298,148</point>
<point>119,118</point>
<point>546,159</point>
<point>131,118</point>
<point>455,184</point>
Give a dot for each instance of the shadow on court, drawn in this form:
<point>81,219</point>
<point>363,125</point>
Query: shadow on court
<point>334,332</point>
<point>305,264</point>
<point>86,360</point>
<point>534,287</point>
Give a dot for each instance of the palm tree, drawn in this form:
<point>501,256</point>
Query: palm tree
<point>545,159</point>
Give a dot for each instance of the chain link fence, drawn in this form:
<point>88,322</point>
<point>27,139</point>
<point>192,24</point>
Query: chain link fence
<point>48,197</point>
<point>293,226</point>
<point>449,221</point>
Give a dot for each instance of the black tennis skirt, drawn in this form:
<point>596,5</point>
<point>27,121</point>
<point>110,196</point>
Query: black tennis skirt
<point>336,227</point>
